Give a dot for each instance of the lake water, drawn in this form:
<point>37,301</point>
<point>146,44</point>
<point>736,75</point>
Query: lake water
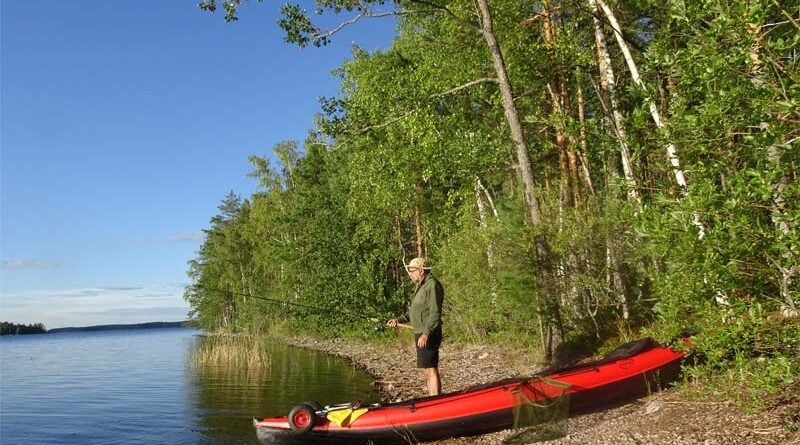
<point>140,387</point>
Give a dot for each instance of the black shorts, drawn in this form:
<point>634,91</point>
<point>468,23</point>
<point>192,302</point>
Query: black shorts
<point>428,357</point>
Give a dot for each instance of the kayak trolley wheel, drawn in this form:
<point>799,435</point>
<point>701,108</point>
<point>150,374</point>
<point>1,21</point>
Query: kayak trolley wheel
<point>313,404</point>
<point>301,418</point>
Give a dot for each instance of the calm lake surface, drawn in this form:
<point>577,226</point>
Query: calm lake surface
<point>140,387</point>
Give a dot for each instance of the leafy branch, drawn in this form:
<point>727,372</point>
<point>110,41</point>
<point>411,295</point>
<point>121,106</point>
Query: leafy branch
<point>391,121</point>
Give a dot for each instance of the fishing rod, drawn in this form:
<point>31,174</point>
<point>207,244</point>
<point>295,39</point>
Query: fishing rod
<point>308,306</point>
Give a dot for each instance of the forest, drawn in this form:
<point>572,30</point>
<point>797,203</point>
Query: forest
<point>8,328</point>
<point>579,172</point>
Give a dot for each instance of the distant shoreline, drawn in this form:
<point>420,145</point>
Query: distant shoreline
<point>120,327</point>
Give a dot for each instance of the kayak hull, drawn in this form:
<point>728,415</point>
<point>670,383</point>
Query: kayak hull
<point>631,371</point>
<point>390,435</point>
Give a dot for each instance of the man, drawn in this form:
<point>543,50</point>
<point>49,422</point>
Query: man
<point>425,315</point>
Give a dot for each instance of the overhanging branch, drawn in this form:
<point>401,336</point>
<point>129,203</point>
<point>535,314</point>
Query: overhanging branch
<point>320,35</point>
<point>366,129</point>
<point>443,9</point>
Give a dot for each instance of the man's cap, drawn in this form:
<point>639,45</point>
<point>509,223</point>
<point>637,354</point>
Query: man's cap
<point>419,263</point>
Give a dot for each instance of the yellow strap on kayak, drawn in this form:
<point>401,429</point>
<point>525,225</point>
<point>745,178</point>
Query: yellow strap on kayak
<point>340,416</point>
<point>345,417</point>
<point>356,414</point>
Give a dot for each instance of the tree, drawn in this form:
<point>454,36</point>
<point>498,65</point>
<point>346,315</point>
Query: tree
<point>7,328</point>
<point>222,275</point>
<point>417,154</point>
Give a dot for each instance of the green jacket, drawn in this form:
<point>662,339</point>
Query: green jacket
<point>425,312</point>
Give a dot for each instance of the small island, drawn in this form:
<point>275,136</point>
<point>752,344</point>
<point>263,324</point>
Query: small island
<point>119,327</point>
<point>7,328</point>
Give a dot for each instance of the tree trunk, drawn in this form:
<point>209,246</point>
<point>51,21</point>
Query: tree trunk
<point>789,264</point>
<point>557,89</point>
<point>608,86</point>
<point>479,199</point>
<point>398,277</point>
<point>517,136</point>
<point>418,231</point>
<point>482,197</point>
<point>587,177</point>
<point>619,278</point>
<point>511,112</point>
<point>574,175</point>
<point>672,151</point>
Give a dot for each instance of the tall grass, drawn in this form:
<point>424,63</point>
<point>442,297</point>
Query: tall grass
<point>241,352</point>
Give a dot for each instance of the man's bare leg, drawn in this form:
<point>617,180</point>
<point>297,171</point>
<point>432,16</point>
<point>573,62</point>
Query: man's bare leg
<point>433,381</point>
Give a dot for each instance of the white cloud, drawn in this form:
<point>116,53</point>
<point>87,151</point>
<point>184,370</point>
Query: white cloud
<point>196,236</point>
<point>28,264</point>
<point>95,306</point>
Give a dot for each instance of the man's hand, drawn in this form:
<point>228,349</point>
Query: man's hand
<point>392,323</point>
<point>423,340</point>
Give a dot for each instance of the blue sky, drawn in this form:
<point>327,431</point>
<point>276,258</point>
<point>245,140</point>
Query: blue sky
<point>123,125</point>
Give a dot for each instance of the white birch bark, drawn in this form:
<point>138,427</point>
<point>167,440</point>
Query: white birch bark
<point>587,177</point>
<point>790,266</point>
<point>672,151</point>
<point>609,84</point>
<point>479,199</point>
<point>482,197</point>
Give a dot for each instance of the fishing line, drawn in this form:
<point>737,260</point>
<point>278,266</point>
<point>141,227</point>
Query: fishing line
<point>319,309</point>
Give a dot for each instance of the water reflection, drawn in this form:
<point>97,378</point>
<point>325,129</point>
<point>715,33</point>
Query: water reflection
<point>227,392</point>
<point>141,387</point>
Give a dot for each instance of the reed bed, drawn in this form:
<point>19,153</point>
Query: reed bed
<point>239,352</point>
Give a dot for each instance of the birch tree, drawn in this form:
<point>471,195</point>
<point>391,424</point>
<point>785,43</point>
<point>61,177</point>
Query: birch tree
<point>671,149</point>
<point>608,86</point>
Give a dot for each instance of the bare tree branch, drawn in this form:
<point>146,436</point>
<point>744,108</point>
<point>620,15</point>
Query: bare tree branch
<point>466,85</point>
<point>366,129</point>
<point>440,8</point>
<point>320,35</point>
<point>786,14</point>
<point>383,124</point>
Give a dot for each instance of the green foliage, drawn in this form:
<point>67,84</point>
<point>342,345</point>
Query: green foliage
<point>744,354</point>
<point>415,153</point>
<point>231,7</point>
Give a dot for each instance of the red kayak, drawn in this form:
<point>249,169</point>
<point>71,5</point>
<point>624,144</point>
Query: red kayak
<point>632,370</point>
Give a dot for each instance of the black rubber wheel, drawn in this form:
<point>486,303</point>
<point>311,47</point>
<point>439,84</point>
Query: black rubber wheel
<point>301,418</point>
<point>313,404</point>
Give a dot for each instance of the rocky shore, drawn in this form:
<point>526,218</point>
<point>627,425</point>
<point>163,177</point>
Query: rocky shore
<point>664,418</point>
